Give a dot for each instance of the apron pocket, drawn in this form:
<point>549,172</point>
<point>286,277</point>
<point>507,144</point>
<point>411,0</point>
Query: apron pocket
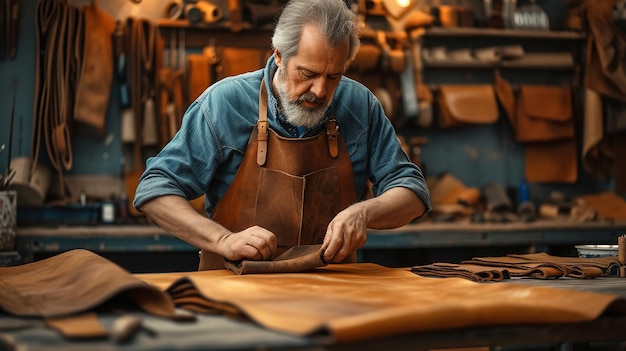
<point>321,204</point>
<point>279,206</point>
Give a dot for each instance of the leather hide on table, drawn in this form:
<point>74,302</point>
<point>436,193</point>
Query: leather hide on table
<point>347,302</point>
<point>359,301</point>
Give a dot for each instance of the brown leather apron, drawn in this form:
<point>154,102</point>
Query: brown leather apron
<point>293,187</point>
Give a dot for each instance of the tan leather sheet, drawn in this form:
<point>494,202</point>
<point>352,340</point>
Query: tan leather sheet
<point>362,300</point>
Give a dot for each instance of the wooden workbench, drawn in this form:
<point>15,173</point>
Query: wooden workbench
<point>141,248</point>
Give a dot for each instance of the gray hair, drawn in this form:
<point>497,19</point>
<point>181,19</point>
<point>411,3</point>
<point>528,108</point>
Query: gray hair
<point>332,17</point>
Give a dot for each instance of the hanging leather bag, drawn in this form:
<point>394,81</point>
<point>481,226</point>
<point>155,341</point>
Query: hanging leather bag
<point>466,105</point>
<point>544,113</point>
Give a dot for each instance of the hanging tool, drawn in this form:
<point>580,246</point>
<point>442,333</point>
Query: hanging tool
<point>9,173</point>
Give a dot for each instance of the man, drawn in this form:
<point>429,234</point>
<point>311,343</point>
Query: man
<point>284,153</point>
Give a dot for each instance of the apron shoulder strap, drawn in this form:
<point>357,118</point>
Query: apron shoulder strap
<point>332,132</point>
<point>262,133</point>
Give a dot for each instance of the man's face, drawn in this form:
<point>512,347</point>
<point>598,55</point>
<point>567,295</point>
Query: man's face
<point>307,82</point>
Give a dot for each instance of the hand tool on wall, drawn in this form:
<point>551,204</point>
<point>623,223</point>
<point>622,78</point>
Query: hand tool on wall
<point>9,26</point>
<point>9,173</point>
<point>235,15</point>
<point>424,96</point>
<point>259,14</point>
<point>14,16</point>
<point>202,11</point>
<point>4,28</point>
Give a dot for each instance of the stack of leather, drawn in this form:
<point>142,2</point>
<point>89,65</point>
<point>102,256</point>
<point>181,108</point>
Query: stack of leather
<point>539,265</point>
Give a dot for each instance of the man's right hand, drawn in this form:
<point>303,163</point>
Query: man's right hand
<point>254,243</point>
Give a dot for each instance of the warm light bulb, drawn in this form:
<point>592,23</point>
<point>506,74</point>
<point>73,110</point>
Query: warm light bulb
<point>403,3</point>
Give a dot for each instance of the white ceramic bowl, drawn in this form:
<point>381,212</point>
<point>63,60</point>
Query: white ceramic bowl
<point>591,251</point>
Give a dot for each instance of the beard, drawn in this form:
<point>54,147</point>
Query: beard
<point>296,114</point>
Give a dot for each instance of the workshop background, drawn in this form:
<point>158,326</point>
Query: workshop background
<point>427,61</point>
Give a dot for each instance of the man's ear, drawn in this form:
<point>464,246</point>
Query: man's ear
<point>278,57</point>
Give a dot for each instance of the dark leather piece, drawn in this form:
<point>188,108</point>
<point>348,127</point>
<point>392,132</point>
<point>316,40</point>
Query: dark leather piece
<point>295,259</point>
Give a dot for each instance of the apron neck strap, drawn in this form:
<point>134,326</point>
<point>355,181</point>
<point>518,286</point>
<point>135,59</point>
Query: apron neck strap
<point>332,130</point>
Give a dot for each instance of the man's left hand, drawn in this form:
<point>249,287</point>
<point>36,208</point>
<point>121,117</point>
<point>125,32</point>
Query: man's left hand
<point>346,233</point>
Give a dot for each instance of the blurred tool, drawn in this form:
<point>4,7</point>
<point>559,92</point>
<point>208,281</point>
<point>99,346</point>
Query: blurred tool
<point>8,174</point>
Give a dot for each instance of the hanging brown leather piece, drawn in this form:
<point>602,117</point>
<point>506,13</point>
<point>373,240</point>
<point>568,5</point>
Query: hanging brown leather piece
<point>605,70</point>
<point>94,87</point>
<point>239,60</point>
<point>199,74</point>
<point>235,15</point>
<point>462,105</point>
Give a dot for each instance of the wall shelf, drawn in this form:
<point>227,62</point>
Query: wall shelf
<point>201,35</point>
<point>504,64</point>
<point>511,33</point>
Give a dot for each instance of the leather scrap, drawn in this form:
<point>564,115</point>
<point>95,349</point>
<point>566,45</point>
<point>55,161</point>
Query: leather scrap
<point>81,326</point>
<point>537,265</point>
<point>472,272</point>
<point>295,259</point>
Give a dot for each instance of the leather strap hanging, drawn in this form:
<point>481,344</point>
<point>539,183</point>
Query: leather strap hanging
<point>141,46</point>
<point>59,38</point>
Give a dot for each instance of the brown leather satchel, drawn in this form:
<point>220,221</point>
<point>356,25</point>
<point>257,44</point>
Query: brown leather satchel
<point>551,162</point>
<point>466,105</point>
<point>544,113</point>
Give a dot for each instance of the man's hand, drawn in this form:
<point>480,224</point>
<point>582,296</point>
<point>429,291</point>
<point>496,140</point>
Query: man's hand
<point>346,233</point>
<point>254,243</point>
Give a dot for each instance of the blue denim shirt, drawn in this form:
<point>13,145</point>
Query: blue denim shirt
<point>204,155</point>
